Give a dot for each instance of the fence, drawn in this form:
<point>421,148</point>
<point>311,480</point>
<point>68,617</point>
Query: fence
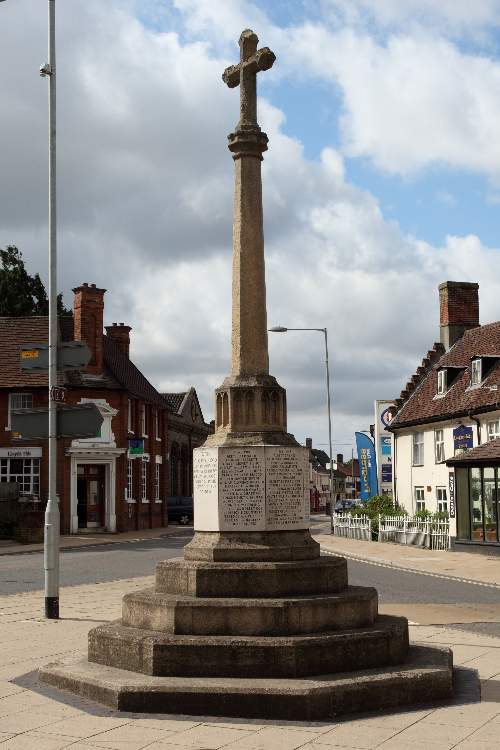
<point>433,534</point>
<point>354,527</point>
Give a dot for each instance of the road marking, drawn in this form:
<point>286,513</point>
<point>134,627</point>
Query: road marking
<point>391,566</point>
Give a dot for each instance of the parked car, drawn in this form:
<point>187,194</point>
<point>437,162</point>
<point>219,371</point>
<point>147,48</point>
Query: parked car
<point>180,509</point>
<point>343,505</point>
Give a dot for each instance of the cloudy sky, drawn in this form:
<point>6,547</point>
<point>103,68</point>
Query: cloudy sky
<point>382,179</point>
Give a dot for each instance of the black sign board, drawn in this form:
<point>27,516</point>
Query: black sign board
<point>80,421</point>
<point>451,487</point>
<point>71,355</point>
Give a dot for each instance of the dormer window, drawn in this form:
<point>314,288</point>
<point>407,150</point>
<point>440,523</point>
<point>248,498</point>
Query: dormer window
<point>441,389</point>
<point>476,372</point>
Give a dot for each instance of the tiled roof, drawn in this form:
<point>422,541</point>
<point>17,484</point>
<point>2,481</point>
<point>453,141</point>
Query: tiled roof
<point>119,371</point>
<point>423,405</point>
<point>174,400</point>
<point>486,452</point>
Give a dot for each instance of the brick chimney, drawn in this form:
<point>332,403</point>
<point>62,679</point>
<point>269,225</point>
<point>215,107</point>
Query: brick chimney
<point>120,333</point>
<point>340,458</point>
<point>88,311</point>
<point>309,443</point>
<point>458,310</point>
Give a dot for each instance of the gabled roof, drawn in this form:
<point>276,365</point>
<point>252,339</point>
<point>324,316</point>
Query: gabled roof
<point>119,371</point>
<point>174,401</point>
<point>423,405</point>
<point>482,453</point>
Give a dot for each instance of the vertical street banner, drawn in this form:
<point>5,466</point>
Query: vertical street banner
<point>367,466</point>
<point>384,412</point>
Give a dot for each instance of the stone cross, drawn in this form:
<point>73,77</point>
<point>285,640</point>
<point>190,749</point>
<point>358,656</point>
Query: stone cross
<point>245,75</point>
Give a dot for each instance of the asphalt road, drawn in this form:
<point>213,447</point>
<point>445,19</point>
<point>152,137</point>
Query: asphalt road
<point>423,599</point>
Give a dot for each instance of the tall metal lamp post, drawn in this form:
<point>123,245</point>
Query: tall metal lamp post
<point>51,543</point>
<point>324,331</point>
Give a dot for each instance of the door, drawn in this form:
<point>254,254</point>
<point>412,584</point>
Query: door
<point>90,496</point>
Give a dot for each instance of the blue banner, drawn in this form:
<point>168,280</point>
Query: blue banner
<point>367,466</point>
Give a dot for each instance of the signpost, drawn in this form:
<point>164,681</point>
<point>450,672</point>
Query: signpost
<point>79,421</point>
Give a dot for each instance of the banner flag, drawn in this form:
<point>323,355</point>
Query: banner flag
<point>367,466</point>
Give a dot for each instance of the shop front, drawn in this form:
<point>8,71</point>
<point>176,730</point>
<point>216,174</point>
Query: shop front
<point>477,487</point>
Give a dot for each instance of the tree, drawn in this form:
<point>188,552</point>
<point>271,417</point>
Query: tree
<point>20,293</point>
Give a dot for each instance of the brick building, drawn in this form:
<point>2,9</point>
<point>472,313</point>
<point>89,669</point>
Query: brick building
<point>120,479</point>
<point>447,426</point>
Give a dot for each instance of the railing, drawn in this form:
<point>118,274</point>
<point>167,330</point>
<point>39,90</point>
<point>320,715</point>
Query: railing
<point>433,534</point>
<point>354,527</point>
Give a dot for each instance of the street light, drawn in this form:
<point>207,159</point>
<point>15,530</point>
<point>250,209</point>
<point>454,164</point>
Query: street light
<point>324,331</point>
<point>52,522</point>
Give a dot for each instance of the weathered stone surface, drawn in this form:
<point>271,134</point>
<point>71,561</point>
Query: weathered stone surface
<point>356,607</point>
<point>426,676</point>
<point>150,652</point>
<point>245,546</point>
<point>321,575</point>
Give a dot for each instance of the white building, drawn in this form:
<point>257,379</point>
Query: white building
<point>450,406</point>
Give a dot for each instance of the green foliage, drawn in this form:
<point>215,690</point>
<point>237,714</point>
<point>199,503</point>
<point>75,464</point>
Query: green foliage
<point>20,293</point>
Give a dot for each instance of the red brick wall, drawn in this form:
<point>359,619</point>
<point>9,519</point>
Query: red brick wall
<point>88,311</point>
<point>459,304</point>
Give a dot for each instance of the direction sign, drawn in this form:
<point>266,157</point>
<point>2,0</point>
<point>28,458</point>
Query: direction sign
<point>80,421</point>
<point>71,355</point>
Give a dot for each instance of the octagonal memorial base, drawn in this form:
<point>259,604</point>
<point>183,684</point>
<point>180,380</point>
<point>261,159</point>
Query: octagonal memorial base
<point>425,677</point>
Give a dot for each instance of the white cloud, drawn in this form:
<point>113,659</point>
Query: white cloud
<point>146,193</point>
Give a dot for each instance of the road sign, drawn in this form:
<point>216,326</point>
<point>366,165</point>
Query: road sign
<point>58,395</point>
<point>80,421</point>
<point>71,355</point>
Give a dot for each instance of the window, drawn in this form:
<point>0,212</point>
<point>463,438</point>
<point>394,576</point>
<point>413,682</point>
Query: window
<point>129,418</point>
<point>19,401</point>
<point>439,446</point>
<point>144,422</point>
<point>418,448</point>
<point>441,382</point>
<point>144,482</point>
<point>157,483</point>
<point>442,500</point>
<point>129,492</point>
<point>24,471</point>
<point>475,378</point>
<point>157,424</point>
<point>419,499</point>
<point>494,429</point>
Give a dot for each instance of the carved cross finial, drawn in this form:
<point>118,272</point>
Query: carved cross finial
<point>245,74</point>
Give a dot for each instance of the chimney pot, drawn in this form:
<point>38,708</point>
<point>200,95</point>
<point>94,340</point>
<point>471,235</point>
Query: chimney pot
<point>120,333</point>
<point>309,443</point>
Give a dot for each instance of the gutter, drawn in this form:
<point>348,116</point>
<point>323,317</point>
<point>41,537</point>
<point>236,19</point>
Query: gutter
<point>478,426</point>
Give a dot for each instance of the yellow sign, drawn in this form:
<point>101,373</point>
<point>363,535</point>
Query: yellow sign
<point>30,354</point>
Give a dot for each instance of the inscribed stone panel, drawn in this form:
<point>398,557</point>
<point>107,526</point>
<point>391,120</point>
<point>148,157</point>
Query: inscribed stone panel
<point>242,489</point>
<point>206,489</point>
<point>286,482</point>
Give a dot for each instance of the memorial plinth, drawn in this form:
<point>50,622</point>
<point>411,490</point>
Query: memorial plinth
<point>253,621</point>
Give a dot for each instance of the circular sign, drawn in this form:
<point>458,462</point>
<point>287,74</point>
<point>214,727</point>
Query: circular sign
<point>387,416</point>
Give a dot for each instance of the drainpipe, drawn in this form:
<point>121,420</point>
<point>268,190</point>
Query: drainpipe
<point>478,427</point>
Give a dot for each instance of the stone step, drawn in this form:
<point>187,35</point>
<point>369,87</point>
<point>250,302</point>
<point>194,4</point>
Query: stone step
<point>169,613</point>
<point>153,653</point>
<point>322,575</point>
<point>425,677</point>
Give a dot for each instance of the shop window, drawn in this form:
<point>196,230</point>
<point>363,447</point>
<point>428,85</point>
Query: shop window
<point>490,504</point>
<point>418,448</point>
<point>476,498</point>
<point>462,502</point>
<point>439,446</point>
<point>24,471</point>
<point>419,499</point>
<point>442,500</point>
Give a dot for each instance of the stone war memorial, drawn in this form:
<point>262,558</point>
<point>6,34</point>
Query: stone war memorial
<point>252,621</point>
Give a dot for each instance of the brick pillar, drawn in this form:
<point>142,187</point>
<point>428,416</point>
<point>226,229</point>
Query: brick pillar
<point>120,333</point>
<point>458,310</point>
<point>88,311</point>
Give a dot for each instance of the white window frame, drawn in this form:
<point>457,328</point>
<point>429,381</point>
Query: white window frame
<point>442,499</point>
<point>493,429</point>
<point>419,495</point>
<point>476,374</point>
<point>418,448</point>
<point>439,454</point>
<point>157,424</point>
<point>22,395</point>
<point>441,387</point>
<point>130,426</point>
<point>6,475</point>
<point>143,421</point>
<point>157,482</point>
<point>129,488</point>
<point>144,482</point>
